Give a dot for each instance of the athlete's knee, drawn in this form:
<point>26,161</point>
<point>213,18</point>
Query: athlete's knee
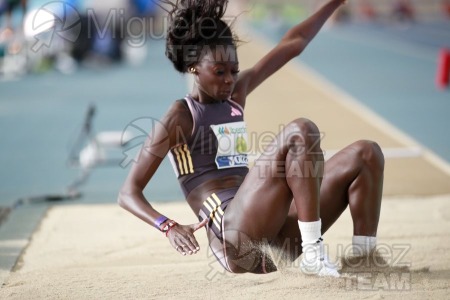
<point>303,134</point>
<point>371,155</point>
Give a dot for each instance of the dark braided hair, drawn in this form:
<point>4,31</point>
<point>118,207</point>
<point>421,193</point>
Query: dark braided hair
<point>193,26</point>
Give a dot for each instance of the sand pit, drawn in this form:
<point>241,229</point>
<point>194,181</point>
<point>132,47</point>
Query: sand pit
<point>102,252</point>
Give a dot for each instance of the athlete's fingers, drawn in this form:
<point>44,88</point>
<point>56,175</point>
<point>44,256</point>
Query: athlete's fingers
<point>192,245</point>
<point>184,249</point>
<point>177,240</point>
<point>176,243</point>
<point>195,243</point>
<point>199,225</point>
<point>184,240</point>
<point>187,245</point>
<point>187,250</point>
<point>180,250</point>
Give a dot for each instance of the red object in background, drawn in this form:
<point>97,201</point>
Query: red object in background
<point>446,8</point>
<point>443,71</point>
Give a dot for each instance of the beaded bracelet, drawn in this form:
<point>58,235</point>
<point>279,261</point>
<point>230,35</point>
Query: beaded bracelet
<point>169,226</point>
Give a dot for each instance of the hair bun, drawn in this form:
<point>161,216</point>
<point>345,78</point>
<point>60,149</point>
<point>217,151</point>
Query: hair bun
<point>193,24</point>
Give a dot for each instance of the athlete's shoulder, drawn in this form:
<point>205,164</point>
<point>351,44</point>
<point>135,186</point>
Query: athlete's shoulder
<point>178,117</point>
<point>179,109</point>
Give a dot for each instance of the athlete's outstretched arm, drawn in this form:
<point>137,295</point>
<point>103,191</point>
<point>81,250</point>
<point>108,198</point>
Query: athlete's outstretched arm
<point>291,45</point>
<point>131,197</point>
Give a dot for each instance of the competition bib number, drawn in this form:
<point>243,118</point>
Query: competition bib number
<point>232,145</point>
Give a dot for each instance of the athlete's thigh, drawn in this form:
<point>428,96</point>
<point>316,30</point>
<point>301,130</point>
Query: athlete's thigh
<point>262,202</point>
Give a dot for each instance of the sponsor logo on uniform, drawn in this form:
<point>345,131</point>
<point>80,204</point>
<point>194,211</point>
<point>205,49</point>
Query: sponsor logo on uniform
<point>235,112</point>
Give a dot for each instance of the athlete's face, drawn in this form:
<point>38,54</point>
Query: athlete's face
<point>217,72</point>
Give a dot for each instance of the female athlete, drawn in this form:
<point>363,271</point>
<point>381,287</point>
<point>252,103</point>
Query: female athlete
<point>290,197</point>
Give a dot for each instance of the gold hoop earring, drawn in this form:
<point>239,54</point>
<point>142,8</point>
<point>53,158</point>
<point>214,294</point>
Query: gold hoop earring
<point>192,70</point>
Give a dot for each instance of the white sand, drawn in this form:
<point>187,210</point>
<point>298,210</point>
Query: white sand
<point>100,251</point>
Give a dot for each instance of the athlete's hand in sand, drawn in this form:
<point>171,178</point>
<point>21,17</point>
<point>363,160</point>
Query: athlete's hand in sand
<point>182,237</point>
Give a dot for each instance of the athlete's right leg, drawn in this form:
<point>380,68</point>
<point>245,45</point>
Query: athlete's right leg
<point>353,177</point>
<point>290,167</point>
